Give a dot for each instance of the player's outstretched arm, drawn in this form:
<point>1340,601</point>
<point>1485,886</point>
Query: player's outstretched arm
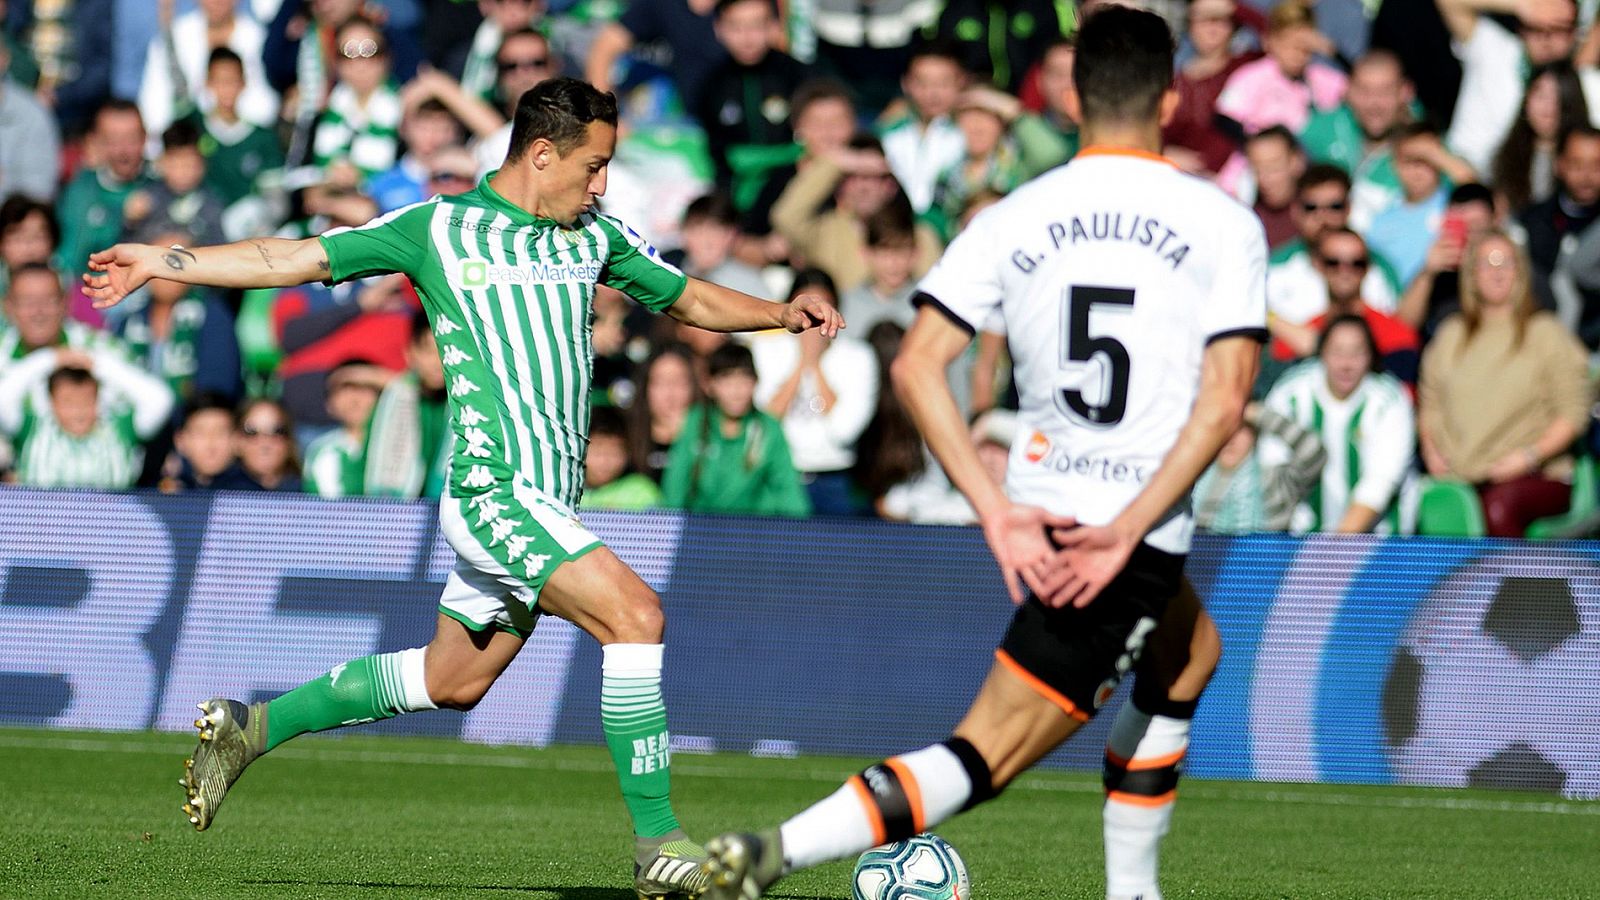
<point>1016,534</point>
<point>716,308</point>
<point>258,262</point>
<point>1094,555</point>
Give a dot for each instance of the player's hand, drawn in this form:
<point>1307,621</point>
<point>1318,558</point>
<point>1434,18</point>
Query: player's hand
<point>1090,557</point>
<point>809,311</point>
<point>115,273</point>
<point>1019,538</point>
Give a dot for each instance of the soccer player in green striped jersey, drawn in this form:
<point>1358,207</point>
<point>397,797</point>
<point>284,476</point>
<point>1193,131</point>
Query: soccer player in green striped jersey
<point>507,272</point>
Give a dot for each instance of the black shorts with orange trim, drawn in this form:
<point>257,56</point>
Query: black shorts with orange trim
<point>1077,657</point>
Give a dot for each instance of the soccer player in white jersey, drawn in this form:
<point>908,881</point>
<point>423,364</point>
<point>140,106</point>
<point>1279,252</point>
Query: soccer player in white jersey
<point>1134,297</point>
<point>507,273</point>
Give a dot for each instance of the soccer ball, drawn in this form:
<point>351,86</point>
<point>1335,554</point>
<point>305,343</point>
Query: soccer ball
<point>921,868</point>
<point>1493,683</point>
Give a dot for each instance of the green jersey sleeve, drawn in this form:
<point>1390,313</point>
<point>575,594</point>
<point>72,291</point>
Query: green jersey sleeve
<point>636,269</point>
<point>394,242</point>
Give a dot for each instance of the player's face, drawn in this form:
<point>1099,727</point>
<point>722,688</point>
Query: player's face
<point>1578,168</point>
<point>76,407</point>
<point>745,29</point>
<point>607,460</point>
<point>1377,96</point>
<point>933,84</point>
<point>1346,360</point>
<point>28,241</point>
<point>734,392</point>
<point>206,441</point>
<point>574,182</point>
<point>1320,208</point>
<point>1343,262</point>
<point>36,308</point>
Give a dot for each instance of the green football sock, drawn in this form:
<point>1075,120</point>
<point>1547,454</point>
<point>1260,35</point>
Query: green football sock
<point>635,722</point>
<point>361,690</point>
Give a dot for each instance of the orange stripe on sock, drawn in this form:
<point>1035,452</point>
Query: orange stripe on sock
<point>1142,800</point>
<point>908,783</point>
<point>870,805</point>
<point>1154,762</point>
<point>1039,687</point>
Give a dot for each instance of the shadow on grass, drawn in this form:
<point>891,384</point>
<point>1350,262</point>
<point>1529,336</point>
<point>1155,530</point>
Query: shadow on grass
<point>563,893</point>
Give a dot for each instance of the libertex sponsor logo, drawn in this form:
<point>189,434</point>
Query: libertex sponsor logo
<point>477,273</point>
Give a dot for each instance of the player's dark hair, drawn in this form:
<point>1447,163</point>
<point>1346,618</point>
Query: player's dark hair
<point>69,375</point>
<point>724,5</point>
<point>716,207</point>
<point>608,421</point>
<point>891,227</point>
<point>1123,64</point>
<point>731,357</point>
<point>817,90</point>
<point>420,325</point>
<point>224,55</point>
<point>1358,322</point>
<point>17,209</point>
<point>1471,192</point>
<point>560,111</point>
<point>180,135</point>
<point>814,279</point>
<point>1319,174</point>
<point>205,401</point>
<point>1275,133</point>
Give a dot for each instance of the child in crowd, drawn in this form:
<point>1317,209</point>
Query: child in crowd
<point>731,457</point>
<point>335,461</point>
<point>609,481</point>
<point>66,433</point>
<point>180,201</point>
<point>891,254</point>
<point>237,151</point>
<point>710,228</point>
<point>204,459</point>
<point>926,141</point>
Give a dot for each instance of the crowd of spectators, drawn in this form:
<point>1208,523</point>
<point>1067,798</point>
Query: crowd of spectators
<point>1427,174</point>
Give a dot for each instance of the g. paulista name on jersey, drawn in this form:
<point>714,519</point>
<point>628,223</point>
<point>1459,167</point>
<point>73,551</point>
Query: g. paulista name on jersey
<point>1127,227</point>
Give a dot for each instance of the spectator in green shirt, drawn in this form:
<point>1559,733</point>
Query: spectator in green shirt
<point>336,459</point>
<point>731,457</point>
<point>91,207</point>
<point>237,152</point>
<point>609,481</point>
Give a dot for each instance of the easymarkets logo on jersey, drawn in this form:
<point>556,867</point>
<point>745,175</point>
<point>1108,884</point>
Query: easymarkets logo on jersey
<point>1041,451</point>
<point>477,273</point>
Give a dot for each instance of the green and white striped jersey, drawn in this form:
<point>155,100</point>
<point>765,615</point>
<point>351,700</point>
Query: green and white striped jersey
<point>509,295</point>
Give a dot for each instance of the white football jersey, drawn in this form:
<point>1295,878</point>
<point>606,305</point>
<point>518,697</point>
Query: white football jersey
<point>1113,273</point>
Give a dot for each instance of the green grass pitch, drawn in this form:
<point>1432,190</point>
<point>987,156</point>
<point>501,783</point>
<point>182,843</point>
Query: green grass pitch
<point>96,815</point>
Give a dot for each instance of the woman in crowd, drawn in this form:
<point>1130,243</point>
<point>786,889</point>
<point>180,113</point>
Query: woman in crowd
<point>824,392</point>
<point>1193,139</point>
<point>667,389</point>
<point>1524,166</point>
<point>1364,419</point>
<point>264,442</point>
<point>1504,392</point>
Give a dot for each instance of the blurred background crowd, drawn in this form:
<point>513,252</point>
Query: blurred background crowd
<point>1427,174</point>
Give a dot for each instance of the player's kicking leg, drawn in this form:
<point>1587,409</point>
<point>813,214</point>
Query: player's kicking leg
<point>1049,673</point>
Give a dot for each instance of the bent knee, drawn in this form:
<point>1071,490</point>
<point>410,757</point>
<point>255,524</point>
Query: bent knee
<point>639,620</point>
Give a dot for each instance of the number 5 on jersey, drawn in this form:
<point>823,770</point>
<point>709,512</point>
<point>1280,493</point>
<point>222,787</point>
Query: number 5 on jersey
<point>1079,347</point>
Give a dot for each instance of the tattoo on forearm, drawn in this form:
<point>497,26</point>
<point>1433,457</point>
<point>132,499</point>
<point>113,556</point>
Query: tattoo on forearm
<point>261,248</point>
<point>177,257</point>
